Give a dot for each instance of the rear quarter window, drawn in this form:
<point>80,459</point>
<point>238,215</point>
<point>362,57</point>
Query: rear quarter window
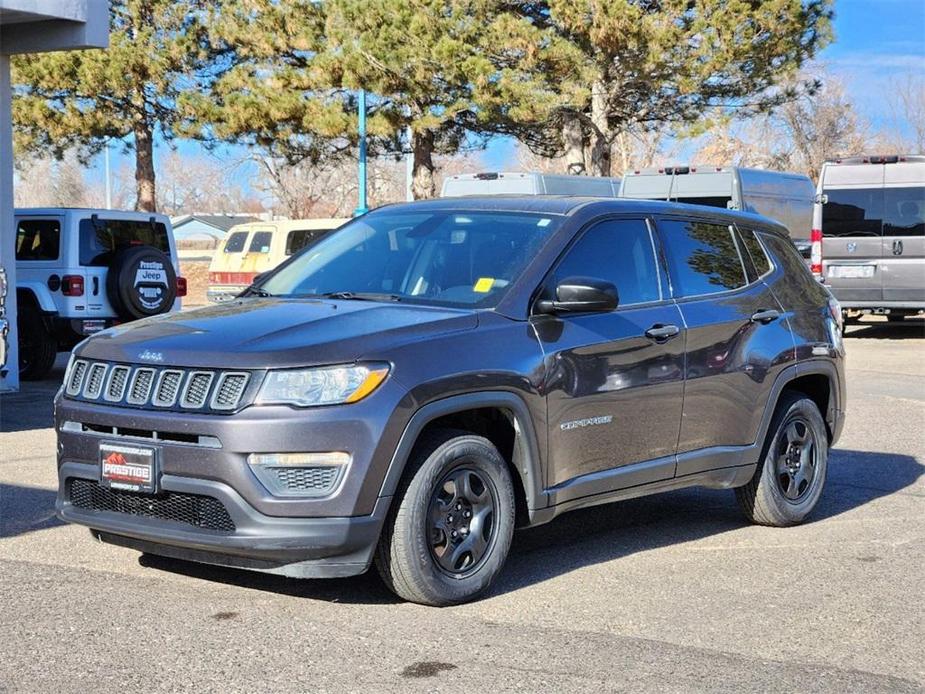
<point>38,239</point>
<point>101,239</point>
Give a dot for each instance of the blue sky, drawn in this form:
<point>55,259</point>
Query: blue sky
<point>876,42</point>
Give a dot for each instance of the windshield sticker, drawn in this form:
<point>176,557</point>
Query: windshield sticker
<point>483,284</point>
<point>544,222</point>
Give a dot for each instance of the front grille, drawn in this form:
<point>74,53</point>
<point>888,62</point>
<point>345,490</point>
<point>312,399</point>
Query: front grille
<point>157,388</point>
<point>202,512</point>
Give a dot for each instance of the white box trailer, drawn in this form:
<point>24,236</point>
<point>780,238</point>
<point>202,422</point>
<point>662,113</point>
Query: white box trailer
<point>783,196</point>
<point>527,183</point>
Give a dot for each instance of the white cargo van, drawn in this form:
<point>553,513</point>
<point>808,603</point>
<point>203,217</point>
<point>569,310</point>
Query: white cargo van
<point>869,234</point>
<point>785,197</point>
<point>518,183</point>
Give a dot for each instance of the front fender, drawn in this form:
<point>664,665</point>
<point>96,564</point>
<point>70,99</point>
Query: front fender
<point>527,459</point>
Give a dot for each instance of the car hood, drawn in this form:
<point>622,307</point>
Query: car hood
<point>277,333</point>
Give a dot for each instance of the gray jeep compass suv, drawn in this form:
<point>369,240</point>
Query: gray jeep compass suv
<point>411,388</point>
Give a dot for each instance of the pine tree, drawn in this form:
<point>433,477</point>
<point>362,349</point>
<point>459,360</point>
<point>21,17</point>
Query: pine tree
<point>158,51</point>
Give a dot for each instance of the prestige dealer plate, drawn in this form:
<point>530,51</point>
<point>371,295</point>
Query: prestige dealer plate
<point>132,468</point>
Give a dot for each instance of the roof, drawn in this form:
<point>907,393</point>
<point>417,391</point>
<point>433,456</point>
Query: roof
<point>564,205</point>
<point>222,222</point>
<point>101,211</point>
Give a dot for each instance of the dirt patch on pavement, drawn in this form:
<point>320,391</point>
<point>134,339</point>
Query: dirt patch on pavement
<point>197,282</point>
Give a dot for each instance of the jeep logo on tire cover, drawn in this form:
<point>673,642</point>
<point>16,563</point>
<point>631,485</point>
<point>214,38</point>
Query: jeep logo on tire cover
<point>151,283</point>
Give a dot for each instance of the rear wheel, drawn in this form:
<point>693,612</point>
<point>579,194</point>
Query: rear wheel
<point>791,474</point>
<point>37,347</point>
<point>896,317</point>
<point>451,527</point>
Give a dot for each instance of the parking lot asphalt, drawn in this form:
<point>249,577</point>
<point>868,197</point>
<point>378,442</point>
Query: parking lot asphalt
<point>670,593</point>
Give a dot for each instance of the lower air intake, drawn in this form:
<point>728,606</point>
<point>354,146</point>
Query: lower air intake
<point>194,510</point>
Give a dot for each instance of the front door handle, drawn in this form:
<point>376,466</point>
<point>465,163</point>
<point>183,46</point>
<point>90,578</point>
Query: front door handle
<point>765,316</point>
<point>662,333</point>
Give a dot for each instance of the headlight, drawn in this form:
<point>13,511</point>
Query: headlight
<point>330,385</point>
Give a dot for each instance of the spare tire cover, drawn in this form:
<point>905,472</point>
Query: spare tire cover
<point>141,282</point>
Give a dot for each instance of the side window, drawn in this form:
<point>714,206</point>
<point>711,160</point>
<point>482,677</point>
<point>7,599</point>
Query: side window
<point>300,238</point>
<point>904,211</point>
<point>618,251</point>
<point>236,241</point>
<point>702,257</point>
<point>785,253</point>
<point>755,251</point>
<point>38,239</point>
<point>260,243</point>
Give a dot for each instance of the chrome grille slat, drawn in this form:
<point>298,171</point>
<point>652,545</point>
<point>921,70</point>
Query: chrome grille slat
<point>75,380</point>
<point>140,389</point>
<point>229,390</point>
<point>154,387</point>
<point>93,385</point>
<point>197,389</point>
<point>168,387</point>
<point>115,386</point>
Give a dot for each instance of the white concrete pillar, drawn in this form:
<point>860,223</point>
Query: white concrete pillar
<point>7,231</point>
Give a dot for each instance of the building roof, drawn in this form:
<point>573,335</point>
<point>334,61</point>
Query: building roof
<point>221,222</point>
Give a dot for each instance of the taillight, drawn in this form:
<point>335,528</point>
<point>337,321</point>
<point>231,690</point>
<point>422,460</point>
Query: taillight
<point>181,286</point>
<point>72,285</point>
<point>815,253</point>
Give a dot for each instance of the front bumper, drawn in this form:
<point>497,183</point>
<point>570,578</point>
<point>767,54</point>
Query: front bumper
<point>297,547</point>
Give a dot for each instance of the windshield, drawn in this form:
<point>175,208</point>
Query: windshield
<point>442,258</point>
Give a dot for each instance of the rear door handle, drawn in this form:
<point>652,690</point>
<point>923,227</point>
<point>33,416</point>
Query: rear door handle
<point>765,316</point>
<point>661,333</point>
<point>897,248</point>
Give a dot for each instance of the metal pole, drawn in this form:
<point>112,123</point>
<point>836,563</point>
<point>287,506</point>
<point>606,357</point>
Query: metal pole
<point>409,166</point>
<point>361,203</point>
<point>108,179</point>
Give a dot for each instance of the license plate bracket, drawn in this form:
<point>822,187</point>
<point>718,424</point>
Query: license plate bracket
<point>851,272</point>
<point>129,467</point>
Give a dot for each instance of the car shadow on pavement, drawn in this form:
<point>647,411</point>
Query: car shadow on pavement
<point>26,509</point>
<point>603,533</point>
<point>909,329</point>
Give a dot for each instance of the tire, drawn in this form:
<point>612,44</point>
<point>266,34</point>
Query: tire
<point>896,317</point>
<point>416,557</point>
<point>782,493</point>
<point>37,347</point>
<point>141,282</point>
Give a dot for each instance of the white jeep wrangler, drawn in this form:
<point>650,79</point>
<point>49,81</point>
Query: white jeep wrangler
<point>79,271</point>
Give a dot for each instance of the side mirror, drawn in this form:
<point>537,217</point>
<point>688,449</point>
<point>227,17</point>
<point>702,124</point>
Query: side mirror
<point>580,295</point>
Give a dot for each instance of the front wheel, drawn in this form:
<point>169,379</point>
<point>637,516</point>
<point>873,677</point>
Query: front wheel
<point>790,476</point>
<point>450,530</point>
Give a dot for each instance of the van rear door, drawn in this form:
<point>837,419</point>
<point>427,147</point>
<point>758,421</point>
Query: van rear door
<point>903,264</point>
<point>852,223</point>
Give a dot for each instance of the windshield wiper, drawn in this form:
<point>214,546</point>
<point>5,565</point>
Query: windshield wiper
<point>361,296</point>
<point>256,291</point>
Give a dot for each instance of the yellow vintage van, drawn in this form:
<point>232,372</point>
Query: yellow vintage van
<point>249,249</point>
